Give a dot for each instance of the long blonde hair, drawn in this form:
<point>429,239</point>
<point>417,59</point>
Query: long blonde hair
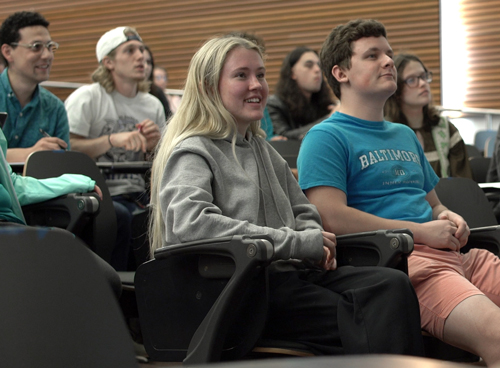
<point>201,113</point>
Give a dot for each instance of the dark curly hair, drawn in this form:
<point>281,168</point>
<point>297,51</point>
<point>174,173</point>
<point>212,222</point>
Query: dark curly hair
<point>337,48</point>
<point>392,108</point>
<point>9,30</point>
<point>288,91</point>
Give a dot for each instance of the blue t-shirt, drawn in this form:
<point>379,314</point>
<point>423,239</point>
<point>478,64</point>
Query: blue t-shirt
<point>380,166</point>
<point>45,111</point>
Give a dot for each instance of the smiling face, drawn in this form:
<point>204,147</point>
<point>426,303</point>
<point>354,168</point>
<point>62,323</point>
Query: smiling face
<point>26,65</point>
<point>372,71</point>
<point>307,73</point>
<point>243,87</point>
<point>419,96</point>
<point>128,64</point>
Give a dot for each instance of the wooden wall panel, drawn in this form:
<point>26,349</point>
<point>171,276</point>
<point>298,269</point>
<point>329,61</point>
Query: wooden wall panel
<point>480,18</point>
<point>175,29</point>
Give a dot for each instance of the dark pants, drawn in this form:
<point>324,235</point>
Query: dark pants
<point>121,251</point>
<point>125,207</point>
<point>353,310</point>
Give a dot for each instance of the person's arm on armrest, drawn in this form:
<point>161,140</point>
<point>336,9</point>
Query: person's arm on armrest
<point>30,190</point>
<point>341,219</point>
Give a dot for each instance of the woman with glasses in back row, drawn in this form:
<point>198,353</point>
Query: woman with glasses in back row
<point>411,105</point>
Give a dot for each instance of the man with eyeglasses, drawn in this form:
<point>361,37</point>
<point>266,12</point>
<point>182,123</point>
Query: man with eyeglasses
<point>364,173</point>
<point>36,118</point>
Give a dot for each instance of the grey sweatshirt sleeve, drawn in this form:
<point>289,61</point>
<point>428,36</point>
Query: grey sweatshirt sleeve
<point>190,211</point>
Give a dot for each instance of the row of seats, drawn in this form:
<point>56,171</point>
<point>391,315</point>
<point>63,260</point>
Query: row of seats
<point>188,319</point>
<point>199,302</point>
<point>484,141</point>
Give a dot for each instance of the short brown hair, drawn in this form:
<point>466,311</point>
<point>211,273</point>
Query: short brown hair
<point>337,48</point>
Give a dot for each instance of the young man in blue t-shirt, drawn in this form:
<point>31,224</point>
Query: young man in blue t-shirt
<point>364,173</point>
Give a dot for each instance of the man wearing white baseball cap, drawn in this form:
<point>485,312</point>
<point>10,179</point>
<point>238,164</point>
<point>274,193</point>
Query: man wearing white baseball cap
<point>115,119</point>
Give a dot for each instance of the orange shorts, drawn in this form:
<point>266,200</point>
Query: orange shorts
<point>443,279</point>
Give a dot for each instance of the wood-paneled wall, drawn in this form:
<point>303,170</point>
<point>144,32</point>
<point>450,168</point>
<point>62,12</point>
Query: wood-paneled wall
<point>482,27</point>
<point>175,29</point>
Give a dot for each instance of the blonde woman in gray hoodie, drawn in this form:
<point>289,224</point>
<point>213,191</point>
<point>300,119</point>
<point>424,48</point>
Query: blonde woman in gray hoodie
<point>215,175</point>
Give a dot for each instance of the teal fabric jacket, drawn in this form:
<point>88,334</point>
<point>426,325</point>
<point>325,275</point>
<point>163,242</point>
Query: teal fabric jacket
<point>17,190</point>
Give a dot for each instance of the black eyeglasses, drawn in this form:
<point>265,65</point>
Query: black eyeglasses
<point>38,46</point>
<point>413,82</point>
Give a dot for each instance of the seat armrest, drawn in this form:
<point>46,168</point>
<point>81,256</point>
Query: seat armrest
<point>385,248</point>
<point>71,211</point>
<point>492,194</point>
<point>484,237</point>
<point>239,259</point>
<point>190,294</point>
<point>225,246</point>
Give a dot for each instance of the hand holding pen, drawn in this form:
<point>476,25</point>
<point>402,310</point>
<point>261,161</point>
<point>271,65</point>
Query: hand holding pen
<point>49,143</point>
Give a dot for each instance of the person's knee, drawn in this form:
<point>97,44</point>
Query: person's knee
<point>392,276</point>
<point>395,283</point>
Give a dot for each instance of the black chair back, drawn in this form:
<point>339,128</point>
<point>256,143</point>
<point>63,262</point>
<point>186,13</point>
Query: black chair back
<point>204,301</point>
<point>465,197</point>
<point>57,308</point>
<point>101,234</point>
<point>479,166</point>
<point>472,151</point>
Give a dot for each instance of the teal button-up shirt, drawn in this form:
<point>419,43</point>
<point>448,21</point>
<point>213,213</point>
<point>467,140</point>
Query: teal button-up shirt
<point>45,111</point>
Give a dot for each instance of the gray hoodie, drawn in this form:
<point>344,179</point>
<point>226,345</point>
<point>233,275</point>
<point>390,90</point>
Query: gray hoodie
<point>206,193</point>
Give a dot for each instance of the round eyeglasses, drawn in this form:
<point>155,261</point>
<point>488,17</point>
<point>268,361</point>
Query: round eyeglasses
<point>38,46</point>
<point>413,82</point>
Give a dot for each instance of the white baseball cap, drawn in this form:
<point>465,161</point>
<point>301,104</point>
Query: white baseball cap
<point>111,40</point>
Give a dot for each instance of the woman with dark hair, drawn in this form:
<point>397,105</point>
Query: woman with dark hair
<point>302,99</point>
<point>411,105</point>
<point>154,89</point>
